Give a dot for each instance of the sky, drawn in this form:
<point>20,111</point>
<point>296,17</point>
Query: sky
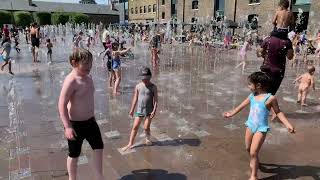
<point>73,1</point>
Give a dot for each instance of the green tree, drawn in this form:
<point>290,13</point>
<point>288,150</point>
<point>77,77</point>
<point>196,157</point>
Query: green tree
<point>79,18</point>
<point>5,18</point>
<point>22,18</point>
<point>42,18</point>
<point>59,18</point>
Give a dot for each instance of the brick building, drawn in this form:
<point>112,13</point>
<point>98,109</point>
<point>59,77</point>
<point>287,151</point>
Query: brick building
<point>264,10</point>
<point>97,13</point>
<point>142,11</point>
<point>252,13</point>
<point>162,11</point>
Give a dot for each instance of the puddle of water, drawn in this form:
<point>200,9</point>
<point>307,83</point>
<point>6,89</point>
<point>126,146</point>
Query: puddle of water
<point>112,134</point>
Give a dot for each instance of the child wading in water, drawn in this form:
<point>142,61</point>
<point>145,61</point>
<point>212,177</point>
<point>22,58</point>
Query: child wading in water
<point>257,124</point>
<point>76,108</point>
<point>116,65</point>
<point>6,49</point>
<point>306,81</point>
<point>145,101</point>
<point>49,53</point>
<point>243,54</point>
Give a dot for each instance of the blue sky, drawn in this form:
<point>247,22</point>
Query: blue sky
<point>73,1</point>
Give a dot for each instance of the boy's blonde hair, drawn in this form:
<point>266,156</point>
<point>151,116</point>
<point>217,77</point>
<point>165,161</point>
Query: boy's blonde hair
<point>311,69</point>
<point>81,56</point>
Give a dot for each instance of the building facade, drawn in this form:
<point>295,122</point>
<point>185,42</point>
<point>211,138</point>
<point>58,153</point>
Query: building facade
<point>254,14</point>
<point>97,13</point>
<point>142,11</point>
<point>260,13</point>
<point>162,11</point>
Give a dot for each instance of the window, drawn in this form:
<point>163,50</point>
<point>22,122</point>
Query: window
<point>253,21</point>
<point>141,9</point>
<point>131,10</point>
<point>163,2</point>
<point>163,15</point>
<point>154,8</point>
<point>195,4</point>
<point>149,8</point>
<point>136,10</point>
<point>144,9</point>
<point>254,1</point>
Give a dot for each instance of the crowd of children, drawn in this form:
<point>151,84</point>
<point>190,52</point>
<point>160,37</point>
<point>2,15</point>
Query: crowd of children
<point>76,101</point>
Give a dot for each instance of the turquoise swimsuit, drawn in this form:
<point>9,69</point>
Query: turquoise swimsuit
<point>258,117</point>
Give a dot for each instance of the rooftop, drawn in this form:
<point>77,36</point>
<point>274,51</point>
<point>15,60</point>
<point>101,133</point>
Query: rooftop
<point>23,5</point>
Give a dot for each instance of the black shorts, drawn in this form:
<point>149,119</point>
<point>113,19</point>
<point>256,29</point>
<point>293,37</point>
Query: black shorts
<point>88,130</point>
<point>276,80</point>
<point>35,42</point>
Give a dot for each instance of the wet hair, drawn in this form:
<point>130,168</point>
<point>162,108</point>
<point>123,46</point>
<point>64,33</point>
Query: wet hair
<point>260,78</point>
<point>81,56</point>
<point>48,40</point>
<point>311,69</point>
<point>284,4</point>
<point>34,24</point>
<point>115,46</point>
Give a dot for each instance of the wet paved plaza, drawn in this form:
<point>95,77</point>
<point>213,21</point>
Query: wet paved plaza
<point>191,138</point>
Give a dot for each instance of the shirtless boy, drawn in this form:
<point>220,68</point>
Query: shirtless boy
<point>76,108</point>
<point>283,19</point>
<point>306,81</point>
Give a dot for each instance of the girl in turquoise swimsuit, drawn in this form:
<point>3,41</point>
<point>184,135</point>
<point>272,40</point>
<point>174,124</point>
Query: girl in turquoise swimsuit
<point>257,124</point>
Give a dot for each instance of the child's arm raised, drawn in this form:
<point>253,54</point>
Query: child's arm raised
<point>237,109</point>
<point>155,102</point>
<point>280,115</point>
<point>124,51</point>
<point>134,101</point>
<point>65,96</point>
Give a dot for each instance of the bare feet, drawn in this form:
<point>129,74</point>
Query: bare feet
<point>116,93</point>
<point>129,146</point>
<point>299,101</point>
<point>253,178</point>
<point>304,104</point>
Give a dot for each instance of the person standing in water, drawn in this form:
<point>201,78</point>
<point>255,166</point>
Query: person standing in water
<point>260,102</point>
<point>145,101</point>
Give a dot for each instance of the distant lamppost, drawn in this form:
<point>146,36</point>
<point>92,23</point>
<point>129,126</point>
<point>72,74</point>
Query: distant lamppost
<point>234,13</point>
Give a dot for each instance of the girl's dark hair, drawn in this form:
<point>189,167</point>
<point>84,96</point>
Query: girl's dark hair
<point>115,46</point>
<point>260,78</point>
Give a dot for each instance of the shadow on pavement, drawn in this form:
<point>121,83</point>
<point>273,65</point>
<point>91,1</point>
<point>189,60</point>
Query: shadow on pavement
<point>289,171</point>
<point>153,174</point>
<point>174,142</point>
